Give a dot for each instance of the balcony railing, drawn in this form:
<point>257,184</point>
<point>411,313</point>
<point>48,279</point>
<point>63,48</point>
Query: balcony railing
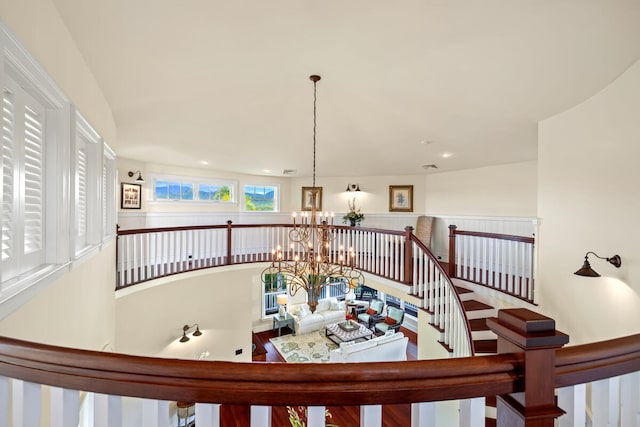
<point>147,254</point>
<point>500,262</point>
<point>79,387</point>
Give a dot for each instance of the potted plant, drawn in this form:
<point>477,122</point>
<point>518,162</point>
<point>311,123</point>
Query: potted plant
<point>354,216</point>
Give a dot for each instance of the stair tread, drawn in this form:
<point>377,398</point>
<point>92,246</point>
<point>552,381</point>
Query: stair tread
<point>485,346</point>
<point>479,324</point>
<point>473,305</point>
<point>462,290</point>
<point>490,422</point>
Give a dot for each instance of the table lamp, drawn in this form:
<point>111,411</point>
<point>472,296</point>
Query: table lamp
<point>282,301</point>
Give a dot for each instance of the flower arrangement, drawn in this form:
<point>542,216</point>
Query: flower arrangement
<point>298,416</point>
<point>354,216</point>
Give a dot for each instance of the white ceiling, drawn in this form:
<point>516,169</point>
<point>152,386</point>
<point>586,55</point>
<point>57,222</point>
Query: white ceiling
<point>402,81</point>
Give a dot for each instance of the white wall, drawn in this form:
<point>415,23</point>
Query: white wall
<point>149,317</point>
<point>589,201</point>
<point>75,311</point>
<point>504,190</point>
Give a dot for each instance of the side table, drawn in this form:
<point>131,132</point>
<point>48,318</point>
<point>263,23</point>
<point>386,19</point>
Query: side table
<point>279,322</point>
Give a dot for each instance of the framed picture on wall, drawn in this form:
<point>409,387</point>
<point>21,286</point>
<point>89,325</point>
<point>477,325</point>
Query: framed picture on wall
<point>401,198</point>
<point>307,198</point>
<point>130,196</point>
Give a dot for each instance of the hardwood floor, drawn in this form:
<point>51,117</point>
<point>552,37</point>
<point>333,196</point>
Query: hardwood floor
<point>343,416</point>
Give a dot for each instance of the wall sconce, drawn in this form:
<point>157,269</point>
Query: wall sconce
<point>186,328</point>
<point>282,300</point>
<point>139,178</point>
<point>353,187</point>
<point>586,269</point>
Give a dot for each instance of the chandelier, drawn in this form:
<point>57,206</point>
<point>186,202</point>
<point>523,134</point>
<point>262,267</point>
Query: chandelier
<point>311,263</point>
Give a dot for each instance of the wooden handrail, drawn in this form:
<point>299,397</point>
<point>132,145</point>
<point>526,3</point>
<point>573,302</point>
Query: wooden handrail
<point>510,237</point>
<point>258,383</point>
<point>596,361</point>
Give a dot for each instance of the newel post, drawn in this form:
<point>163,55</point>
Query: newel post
<point>534,336</point>
<point>228,260</point>
<point>452,250</point>
<point>408,255</point>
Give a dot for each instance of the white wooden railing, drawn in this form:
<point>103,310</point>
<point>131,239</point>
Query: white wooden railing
<point>147,254</point>
<point>597,384</point>
<point>501,262</point>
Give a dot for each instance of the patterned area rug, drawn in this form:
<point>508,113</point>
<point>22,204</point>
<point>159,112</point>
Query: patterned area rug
<point>312,347</point>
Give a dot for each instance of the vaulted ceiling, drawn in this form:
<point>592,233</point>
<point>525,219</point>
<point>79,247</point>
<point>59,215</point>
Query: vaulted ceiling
<point>403,82</point>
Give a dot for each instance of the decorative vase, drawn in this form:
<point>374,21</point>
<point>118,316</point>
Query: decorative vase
<point>352,222</point>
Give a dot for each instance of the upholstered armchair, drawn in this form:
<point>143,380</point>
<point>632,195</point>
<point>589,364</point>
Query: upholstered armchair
<point>373,313</point>
<point>393,321</point>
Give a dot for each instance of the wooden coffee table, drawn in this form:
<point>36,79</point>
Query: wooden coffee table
<point>337,334</point>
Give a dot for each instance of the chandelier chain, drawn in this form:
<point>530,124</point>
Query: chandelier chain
<point>314,132</point>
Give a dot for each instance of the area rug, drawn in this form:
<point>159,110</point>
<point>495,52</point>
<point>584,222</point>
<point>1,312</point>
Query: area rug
<point>311,347</point>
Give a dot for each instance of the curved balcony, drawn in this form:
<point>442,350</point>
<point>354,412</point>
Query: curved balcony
<point>536,380</point>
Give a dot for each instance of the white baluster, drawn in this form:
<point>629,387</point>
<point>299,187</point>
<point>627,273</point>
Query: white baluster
<point>423,414</point>
<point>370,415</point>
<point>107,410</point>
<point>26,403</point>
<point>316,416</point>
<point>472,412</point>
<point>208,414</point>
<point>260,416</point>
<point>573,401</point>
<point>630,399</point>
<point>155,413</point>
<point>4,400</point>
<point>65,407</point>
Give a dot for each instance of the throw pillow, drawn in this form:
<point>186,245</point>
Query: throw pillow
<point>303,311</point>
<point>323,305</point>
<point>371,311</point>
<point>390,320</point>
<point>335,305</point>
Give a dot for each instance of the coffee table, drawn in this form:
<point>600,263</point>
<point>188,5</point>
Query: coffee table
<point>337,334</point>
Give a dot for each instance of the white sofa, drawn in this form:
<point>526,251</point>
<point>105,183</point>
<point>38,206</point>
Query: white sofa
<point>327,311</point>
<point>391,347</point>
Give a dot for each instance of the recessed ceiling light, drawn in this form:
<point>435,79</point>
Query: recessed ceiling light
<point>267,170</point>
<point>204,162</point>
<point>445,155</point>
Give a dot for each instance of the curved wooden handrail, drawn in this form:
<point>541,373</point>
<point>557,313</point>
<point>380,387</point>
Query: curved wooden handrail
<point>511,237</point>
<point>596,361</point>
<point>442,271</point>
<point>259,383</point>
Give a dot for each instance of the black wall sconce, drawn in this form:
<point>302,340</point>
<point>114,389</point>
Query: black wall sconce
<point>353,187</point>
<point>186,328</point>
<point>586,269</point>
<point>139,178</point>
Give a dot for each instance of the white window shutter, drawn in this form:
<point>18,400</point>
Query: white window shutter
<point>7,165</point>
<point>33,183</point>
<point>81,194</point>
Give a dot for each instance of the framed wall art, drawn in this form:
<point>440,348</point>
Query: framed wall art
<point>401,198</point>
<point>307,198</point>
<point>130,196</point>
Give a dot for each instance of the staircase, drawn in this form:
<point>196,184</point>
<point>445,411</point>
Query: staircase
<point>484,341</point>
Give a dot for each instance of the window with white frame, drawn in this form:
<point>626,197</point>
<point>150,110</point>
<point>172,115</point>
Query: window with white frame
<point>109,185</point>
<point>177,188</point>
<point>86,162</point>
<point>261,198</point>
<point>33,167</point>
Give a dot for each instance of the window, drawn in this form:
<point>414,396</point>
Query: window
<point>34,169</point>
<point>274,285</point>
<point>192,189</point>
<point>261,198</point>
<point>87,160</point>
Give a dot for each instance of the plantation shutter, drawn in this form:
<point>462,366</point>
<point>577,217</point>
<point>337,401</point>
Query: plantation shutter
<point>81,195</point>
<point>33,180</point>
<point>8,166</point>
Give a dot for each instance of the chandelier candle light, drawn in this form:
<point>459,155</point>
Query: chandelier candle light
<point>311,264</point>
